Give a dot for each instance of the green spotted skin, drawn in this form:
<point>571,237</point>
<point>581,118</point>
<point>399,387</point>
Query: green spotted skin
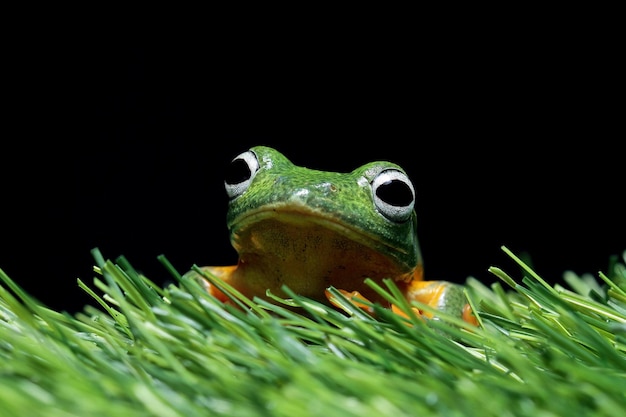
<point>345,198</point>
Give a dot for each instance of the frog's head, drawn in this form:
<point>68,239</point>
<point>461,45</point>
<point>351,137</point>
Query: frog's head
<point>292,213</point>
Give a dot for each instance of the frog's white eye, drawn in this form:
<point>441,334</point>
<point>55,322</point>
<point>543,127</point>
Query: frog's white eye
<point>394,195</point>
<point>239,173</point>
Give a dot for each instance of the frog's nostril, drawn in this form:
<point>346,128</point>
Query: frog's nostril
<point>326,188</point>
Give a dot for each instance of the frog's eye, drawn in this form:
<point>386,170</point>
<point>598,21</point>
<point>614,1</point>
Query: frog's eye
<point>239,173</point>
<point>394,195</point>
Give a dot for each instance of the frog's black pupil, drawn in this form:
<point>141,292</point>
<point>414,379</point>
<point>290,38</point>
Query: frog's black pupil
<point>395,192</point>
<point>238,171</point>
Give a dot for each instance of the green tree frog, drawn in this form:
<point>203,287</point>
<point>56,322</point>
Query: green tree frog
<point>310,229</point>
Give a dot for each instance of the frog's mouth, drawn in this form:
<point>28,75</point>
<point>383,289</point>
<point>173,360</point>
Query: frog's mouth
<point>309,250</point>
<point>301,218</point>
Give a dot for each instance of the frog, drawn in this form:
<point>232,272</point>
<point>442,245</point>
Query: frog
<point>311,230</point>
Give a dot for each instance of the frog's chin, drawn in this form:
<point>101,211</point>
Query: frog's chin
<point>309,251</point>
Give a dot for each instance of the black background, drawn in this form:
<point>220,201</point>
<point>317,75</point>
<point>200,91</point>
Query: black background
<point>510,140</point>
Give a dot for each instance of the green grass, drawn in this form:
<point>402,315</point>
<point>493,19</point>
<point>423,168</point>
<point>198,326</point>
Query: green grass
<point>541,350</point>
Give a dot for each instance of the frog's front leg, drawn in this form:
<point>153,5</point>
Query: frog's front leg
<point>442,296</point>
<point>224,273</point>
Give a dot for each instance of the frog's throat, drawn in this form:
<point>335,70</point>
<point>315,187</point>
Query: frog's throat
<point>305,216</point>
